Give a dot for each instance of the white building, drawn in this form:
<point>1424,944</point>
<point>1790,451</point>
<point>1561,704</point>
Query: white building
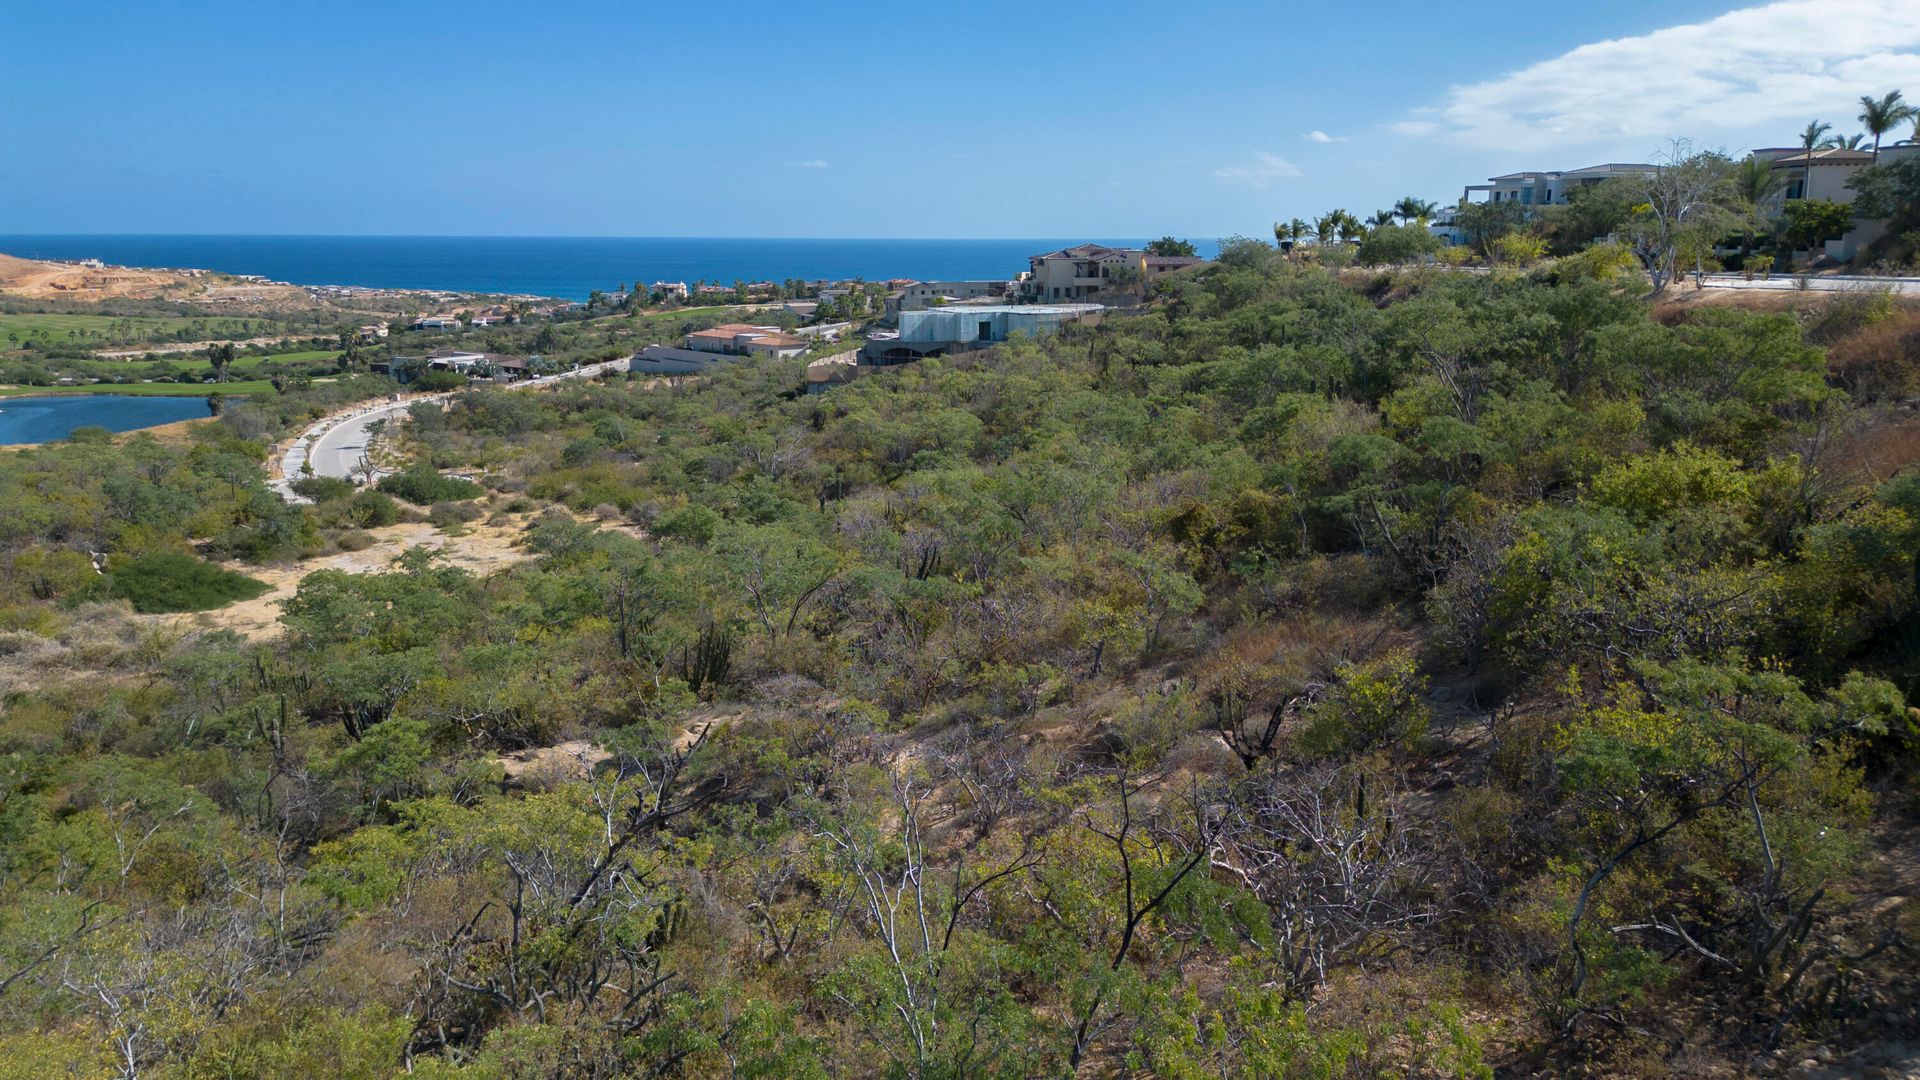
<point>1446,226</point>
<point>962,327</point>
<point>1536,189</point>
<point>669,290</point>
<point>1823,174</point>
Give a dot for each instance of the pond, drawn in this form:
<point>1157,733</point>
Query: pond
<point>45,419</point>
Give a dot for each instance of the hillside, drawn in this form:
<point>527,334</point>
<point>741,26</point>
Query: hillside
<point>1396,674</point>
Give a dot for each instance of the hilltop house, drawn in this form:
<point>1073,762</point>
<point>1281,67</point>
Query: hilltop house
<point>1086,270</point>
<point>924,294</point>
<point>1823,174</point>
<point>739,339</point>
<point>1078,272</point>
<point>436,322</point>
<point>1536,189</point>
<point>961,327</point>
<point>669,290</point>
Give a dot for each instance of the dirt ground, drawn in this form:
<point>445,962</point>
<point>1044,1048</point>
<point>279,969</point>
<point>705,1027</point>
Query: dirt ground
<point>482,548</point>
<point>31,279</point>
<point>47,281</point>
<point>178,433</point>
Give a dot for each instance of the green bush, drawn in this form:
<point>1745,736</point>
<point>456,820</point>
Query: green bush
<point>424,487</point>
<point>322,488</point>
<point>434,381</point>
<point>168,581</point>
<point>371,510</point>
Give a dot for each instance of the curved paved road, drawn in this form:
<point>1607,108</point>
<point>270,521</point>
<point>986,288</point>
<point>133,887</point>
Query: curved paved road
<point>337,444</point>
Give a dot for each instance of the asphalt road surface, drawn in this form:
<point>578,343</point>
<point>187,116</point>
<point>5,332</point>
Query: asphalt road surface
<point>335,446</point>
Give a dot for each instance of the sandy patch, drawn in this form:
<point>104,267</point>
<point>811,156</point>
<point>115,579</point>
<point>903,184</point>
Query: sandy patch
<point>482,548</point>
<point>543,767</point>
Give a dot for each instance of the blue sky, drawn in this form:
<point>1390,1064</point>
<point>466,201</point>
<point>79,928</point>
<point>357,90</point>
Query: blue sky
<point>876,120</point>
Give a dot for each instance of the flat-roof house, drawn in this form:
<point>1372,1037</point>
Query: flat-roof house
<point>1534,189</point>
<point>703,349</point>
<point>672,290</point>
<point>962,327</point>
<point>458,360</point>
<point>922,294</point>
<point>373,331</point>
<point>436,322</point>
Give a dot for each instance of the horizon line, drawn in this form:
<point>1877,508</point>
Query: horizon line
<point>555,236</point>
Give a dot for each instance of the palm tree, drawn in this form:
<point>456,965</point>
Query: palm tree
<point>1380,218</point>
<point>1290,233</point>
<point>1755,182</point>
<point>1844,142</point>
<point>1326,227</point>
<point>1883,116</point>
<point>1815,135</point>
<point>1348,227</point>
<point>1415,209</point>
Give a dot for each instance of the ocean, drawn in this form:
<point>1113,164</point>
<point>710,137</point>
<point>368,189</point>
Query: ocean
<point>567,267</point>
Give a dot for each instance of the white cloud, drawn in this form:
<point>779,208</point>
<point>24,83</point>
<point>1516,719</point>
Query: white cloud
<point>1785,63</point>
<point>816,163</point>
<point>1316,135</point>
<point>1266,168</point>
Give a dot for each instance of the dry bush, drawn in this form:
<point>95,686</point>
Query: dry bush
<point>1877,449</point>
<point>1880,361</point>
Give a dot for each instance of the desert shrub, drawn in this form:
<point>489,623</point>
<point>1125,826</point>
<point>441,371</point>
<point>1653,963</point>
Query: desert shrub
<point>424,487</point>
<point>167,581</point>
<point>1371,704</point>
<point>693,523</point>
<point>1846,314</point>
<point>447,514</point>
<point>372,509</point>
<point>1880,360</point>
<point>322,488</point>
<point>435,381</point>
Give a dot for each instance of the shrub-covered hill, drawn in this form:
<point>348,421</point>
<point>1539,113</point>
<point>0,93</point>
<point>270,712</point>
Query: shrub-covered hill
<point>1306,677</point>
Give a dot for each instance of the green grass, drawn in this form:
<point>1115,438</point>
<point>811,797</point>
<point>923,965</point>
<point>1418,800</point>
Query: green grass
<point>64,329</point>
<point>308,356</point>
<point>244,388</point>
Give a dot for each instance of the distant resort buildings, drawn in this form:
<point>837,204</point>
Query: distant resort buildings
<point>918,319</point>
